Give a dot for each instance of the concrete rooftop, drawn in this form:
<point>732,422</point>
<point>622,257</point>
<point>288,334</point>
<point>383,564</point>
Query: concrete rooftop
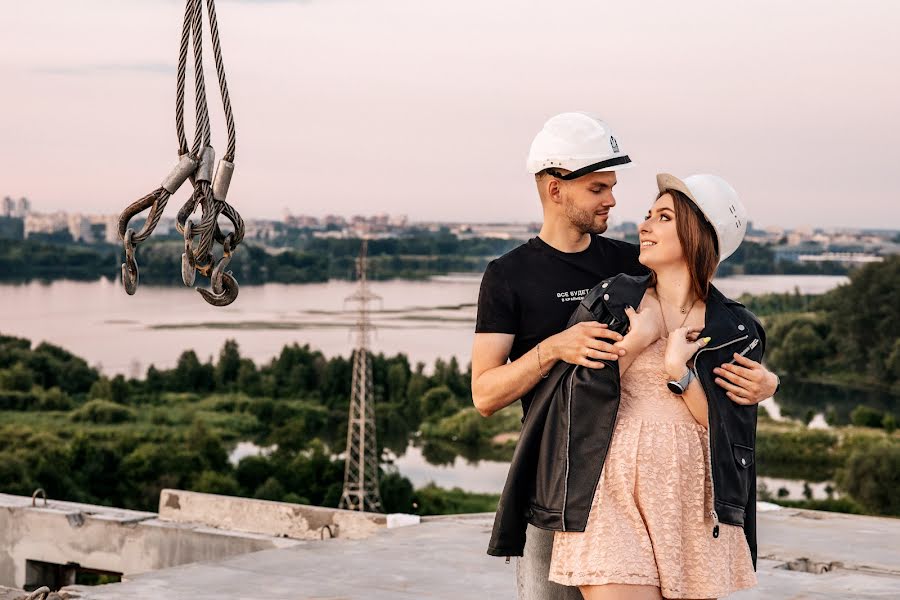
<point>204,547</point>
<point>444,558</point>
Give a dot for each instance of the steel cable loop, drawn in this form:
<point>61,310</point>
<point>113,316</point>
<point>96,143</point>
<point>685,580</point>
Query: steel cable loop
<point>225,168</point>
<point>180,78</point>
<point>156,200</point>
<point>201,132</point>
<point>206,228</point>
<point>197,164</point>
<point>129,267</point>
<point>212,199</point>
<point>223,85</point>
<point>208,224</point>
<point>237,222</point>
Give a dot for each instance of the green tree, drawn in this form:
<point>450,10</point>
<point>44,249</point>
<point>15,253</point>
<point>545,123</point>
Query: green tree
<point>229,365</point>
<point>271,489</point>
<point>213,482</point>
<point>249,380</point>
<point>18,378</point>
<point>439,402</point>
<point>252,472</point>
<point>397,494</point>
<point>190,375</point>
<point>864,416</point>
<point>207,446</point>
<point>397,380</point>
<point>102,411</point>
<point>119,389</point>
<point>893,362</point>
<point>865,317</point>
<point>101,390</point>
<point>415,390</point>
<point>872,477</point>
<point>799,350</point>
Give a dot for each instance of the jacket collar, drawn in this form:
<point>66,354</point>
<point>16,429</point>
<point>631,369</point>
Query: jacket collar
<point>721,322</point>
<point>615,294</point>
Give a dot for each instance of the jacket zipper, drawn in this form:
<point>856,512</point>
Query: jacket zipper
<point>712,482</point>
<point>568,436</point>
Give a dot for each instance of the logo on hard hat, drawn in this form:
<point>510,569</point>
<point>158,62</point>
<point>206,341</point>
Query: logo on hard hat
<point>614,144</point>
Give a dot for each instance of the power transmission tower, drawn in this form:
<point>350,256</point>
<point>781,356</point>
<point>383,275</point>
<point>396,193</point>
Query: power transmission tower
<point>361,467</point>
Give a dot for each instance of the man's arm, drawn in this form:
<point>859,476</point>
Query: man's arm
<point>496,384</point>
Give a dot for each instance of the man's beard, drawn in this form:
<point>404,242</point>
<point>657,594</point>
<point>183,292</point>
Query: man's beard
<point>583,219</point>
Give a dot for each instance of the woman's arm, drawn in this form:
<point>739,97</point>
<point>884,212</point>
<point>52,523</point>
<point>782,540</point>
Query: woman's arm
<point>695,399</point>
<point>682,346</point>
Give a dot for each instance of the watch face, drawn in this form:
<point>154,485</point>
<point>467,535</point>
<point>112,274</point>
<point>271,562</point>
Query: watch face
<point>675,387</point>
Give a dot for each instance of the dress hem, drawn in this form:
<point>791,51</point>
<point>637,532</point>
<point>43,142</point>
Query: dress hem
<point>667,593</point>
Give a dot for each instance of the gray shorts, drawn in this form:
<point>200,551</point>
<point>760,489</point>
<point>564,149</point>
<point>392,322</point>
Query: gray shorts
<point>533,569</point>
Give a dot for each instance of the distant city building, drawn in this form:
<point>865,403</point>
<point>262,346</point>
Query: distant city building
<point>335,220</point>
<point>23,207</point>
<point>261,230</point>
<point>80,228</point>
<point>18,209</point>
<point>844,258</point>
<point>46,223</point>
<point>503,231</point>
<point>805,244</point>
<point>110,225</point>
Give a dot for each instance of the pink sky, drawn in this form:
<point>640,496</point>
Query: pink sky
<point>428,108</point>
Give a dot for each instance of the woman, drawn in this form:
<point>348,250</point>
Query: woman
<point>654,528</point>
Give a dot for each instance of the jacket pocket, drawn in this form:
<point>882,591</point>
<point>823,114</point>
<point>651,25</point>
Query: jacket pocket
<point>741,474</point>
<point>743,455</point>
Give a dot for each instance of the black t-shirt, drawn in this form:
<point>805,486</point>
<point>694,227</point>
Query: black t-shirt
<point>532,290</point>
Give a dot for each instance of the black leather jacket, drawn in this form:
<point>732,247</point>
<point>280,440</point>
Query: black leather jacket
<point>567,430</point>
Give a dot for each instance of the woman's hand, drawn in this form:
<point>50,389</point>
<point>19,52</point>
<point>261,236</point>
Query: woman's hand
<point>645,324</point>
<point>682,345</point>
<point>644,328</point>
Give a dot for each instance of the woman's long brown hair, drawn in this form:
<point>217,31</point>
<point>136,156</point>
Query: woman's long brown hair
<point>698,243</point>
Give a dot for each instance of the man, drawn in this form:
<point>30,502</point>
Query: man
<point>528,294</point>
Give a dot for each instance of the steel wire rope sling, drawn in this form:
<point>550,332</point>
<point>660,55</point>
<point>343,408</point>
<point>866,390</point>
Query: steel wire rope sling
<point>196,163</point>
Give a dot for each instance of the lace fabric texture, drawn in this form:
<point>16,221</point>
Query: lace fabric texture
<point>650,522</point>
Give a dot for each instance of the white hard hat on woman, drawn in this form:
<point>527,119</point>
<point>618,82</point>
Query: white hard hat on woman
<point>719,204</point>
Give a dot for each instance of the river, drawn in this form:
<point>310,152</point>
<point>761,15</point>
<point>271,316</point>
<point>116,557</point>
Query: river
<point>126,334</point>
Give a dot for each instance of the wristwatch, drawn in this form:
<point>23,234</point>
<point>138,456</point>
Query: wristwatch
<point>678,386</point>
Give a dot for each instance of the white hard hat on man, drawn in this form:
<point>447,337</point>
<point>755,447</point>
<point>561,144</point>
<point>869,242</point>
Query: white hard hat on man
<point>582,143</point>
<point>579,142</point>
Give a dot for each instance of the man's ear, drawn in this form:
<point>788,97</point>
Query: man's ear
<point>554,190</point>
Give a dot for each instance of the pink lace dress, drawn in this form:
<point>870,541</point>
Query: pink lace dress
<point>650,522</point>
